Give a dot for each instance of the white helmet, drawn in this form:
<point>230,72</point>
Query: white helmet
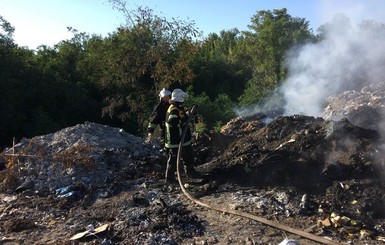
<point>164,92</point>
<point>179,95</point>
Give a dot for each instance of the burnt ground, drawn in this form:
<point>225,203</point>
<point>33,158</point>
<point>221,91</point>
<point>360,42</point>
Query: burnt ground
<point>323,177</point>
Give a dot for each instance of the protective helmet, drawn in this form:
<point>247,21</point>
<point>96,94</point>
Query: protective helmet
<point>164,92</point>
<point>179,95</point>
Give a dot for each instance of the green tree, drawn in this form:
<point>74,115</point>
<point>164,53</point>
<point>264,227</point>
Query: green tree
<point>140,59</point>
<point>13,72</point>
<point>6,32</point>
<point>16,67</point>
<point>61,67</point>
<point>211,112</point>
<point>272,34</point>
<point>217,66</point>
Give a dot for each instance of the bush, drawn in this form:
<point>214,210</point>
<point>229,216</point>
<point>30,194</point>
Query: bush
<point>212,112</point>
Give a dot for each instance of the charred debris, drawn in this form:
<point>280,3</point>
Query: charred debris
<point>329,170</point>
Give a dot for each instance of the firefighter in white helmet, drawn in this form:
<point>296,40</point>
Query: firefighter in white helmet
<point>158,116</point>
<point>176,119</point>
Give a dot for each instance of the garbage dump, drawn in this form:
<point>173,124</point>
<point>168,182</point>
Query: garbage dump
<point>364,108</point>
<point>96,184</point>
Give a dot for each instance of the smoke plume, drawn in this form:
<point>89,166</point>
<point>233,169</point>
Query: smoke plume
<point>349,57</point>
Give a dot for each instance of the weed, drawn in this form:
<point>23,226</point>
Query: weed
<point>78,155</point>
<point>8,180</point>
<point>27,150</point>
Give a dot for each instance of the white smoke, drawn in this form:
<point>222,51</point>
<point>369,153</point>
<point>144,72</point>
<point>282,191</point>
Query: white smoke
<point>349,57</point>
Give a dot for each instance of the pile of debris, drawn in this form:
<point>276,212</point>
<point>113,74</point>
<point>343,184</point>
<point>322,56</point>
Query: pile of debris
<point>304,145</point>
<point>244,125</point>
<point>364,108</point>
<point>45,164</point>
<point>51,181</point>
<point>329,170</point>
<point>93,181</point>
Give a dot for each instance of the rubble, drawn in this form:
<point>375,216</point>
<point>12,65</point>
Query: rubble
<point>57,175</point>
<point>244,125</point>
<point>299,146</point>
<point>83,155</point>
<point>319,175</point>
<point>311,156</point>
<point>364,108</point>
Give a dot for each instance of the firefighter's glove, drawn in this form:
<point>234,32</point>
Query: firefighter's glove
<point>150,137</point>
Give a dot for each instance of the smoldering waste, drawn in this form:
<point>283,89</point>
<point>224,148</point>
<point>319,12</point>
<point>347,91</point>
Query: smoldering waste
<point>364,108</point>
<point>318,175</point>
<point>336,165</point>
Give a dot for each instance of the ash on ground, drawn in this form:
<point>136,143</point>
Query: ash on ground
<point>319,175</point>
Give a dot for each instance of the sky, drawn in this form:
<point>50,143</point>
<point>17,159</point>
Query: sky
<point>39,22</point>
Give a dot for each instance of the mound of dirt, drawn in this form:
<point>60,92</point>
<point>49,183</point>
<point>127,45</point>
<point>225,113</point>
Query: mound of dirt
<point>90,175</point>
<point>46,163</point>
<point>321,176</point>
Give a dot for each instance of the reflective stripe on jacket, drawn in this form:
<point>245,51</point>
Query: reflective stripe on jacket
<point>176,119</point>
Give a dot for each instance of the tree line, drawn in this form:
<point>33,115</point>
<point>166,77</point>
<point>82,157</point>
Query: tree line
<point>115,80</point>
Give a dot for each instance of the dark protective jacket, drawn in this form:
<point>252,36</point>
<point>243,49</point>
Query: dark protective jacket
<point>158,117</point>
<point>176,119</point>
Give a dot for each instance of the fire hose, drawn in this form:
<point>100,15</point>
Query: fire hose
<point>262,220</point>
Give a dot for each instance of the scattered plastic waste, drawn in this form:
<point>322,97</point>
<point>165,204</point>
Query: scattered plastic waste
<point>64,190</point>
<point>380,238</point>
<point>69,194</point>
<point>7,198</point>
<point>69,191</point>
<point>289,242</point>
<point>91,230</point>
<point>106,242</point>
<point>304,204</point>
<point>287,142</point>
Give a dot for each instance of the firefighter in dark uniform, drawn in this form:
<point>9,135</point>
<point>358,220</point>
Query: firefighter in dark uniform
<point>176,119</point>
<point>158,116</point>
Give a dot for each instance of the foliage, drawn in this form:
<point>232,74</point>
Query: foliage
<point>115,80</point>
<point>211,111</point>
<point>6,32</point>
<point>272,34</point>
<point>200,127</point>
<point>140,60</point>
<point>218,67</point>
<point>42,91</point>
<point>15,99</point>
<point>218,126</point>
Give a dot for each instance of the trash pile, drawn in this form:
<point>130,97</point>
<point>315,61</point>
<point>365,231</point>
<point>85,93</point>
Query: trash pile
<point>95,184</point>
<point>73,158</point>
<point>302,145</point>
<point>50,182</point>
<point>330,171</point>
<point>364,108</point>
<point>243,125</point>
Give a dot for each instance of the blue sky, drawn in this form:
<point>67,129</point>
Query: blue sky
<point>44,21</point>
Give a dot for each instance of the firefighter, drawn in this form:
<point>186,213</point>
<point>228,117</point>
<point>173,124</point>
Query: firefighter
<point>158,116</point>
<point>176,119</point>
